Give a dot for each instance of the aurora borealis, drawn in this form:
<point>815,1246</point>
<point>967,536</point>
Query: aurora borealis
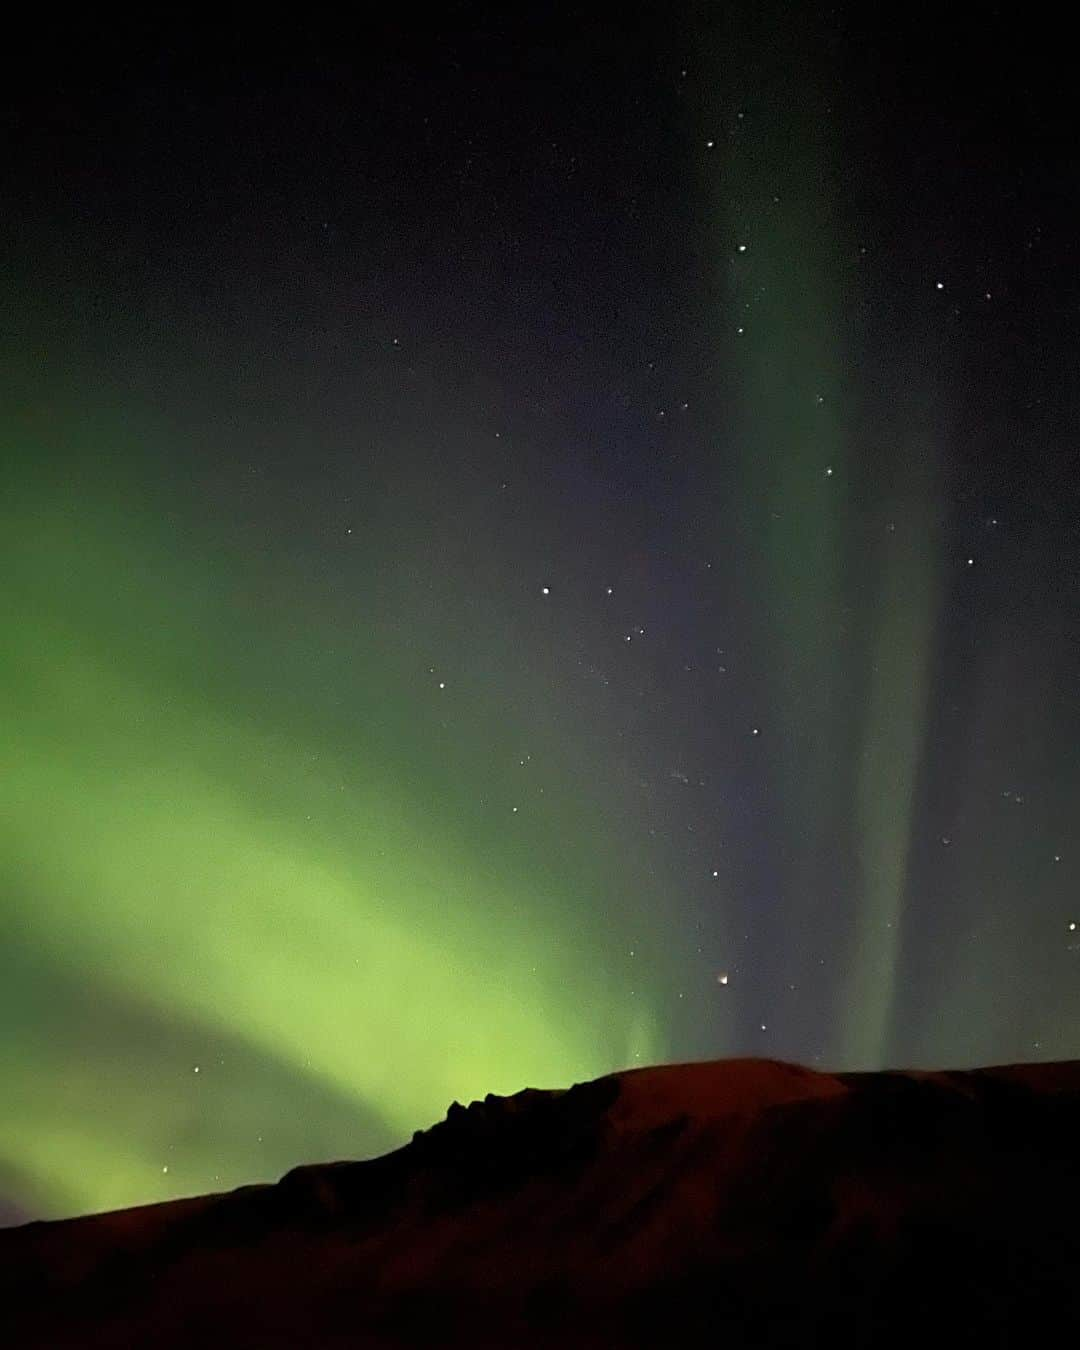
<point>264,904</point>
<point>527,548</point>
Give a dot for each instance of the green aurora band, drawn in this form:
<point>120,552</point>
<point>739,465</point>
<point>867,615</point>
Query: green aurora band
<point>247,919</point>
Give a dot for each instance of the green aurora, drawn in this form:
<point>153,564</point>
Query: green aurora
<point>852,730</point>
<point>228,900</point>
<point>443,654</point>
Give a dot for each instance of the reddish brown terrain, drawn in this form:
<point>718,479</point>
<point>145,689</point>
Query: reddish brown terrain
<point>730,1204</point>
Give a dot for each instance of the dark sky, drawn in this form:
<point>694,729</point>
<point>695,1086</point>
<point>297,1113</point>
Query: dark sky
<point>533,542</point>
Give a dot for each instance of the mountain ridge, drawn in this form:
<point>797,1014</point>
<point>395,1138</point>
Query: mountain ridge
<point>752,1198</point>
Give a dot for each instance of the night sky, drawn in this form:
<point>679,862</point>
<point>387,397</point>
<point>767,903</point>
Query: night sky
<point>532,542</point>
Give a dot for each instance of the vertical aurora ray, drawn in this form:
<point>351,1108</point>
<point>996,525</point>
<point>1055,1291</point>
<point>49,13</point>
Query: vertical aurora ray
<point>893,732</point>
<point>844,661</point>
<point>776,192</point>
<point>794,456</point>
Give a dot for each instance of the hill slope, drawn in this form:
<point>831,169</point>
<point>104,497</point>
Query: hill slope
<point>737,1203</point>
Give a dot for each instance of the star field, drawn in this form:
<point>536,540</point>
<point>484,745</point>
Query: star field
<point>530,547</point>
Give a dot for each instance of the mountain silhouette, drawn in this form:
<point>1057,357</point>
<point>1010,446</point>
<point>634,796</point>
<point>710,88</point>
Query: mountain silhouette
<point>738,1203</point>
